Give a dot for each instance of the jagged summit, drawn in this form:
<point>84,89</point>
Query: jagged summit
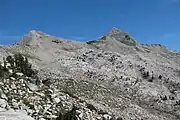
<point>121,36</point>
<point>33,37</point>
<point>114,37</point>
<point>114,31</point>
<point>37,33</point>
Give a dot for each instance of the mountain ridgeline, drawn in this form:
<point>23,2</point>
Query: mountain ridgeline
<point>111,78</point>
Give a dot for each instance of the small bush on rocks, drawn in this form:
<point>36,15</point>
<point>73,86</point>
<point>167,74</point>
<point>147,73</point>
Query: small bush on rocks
<point>91,107</point>
<point>70,115</point>
<point>23,65</point>
<point>18,63</point>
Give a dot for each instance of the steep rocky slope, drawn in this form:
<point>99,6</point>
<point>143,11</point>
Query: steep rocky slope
<point>113,77</point>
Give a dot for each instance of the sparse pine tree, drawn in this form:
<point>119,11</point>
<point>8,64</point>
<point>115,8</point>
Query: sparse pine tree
<point>19,61</point>
<point>10,60</point>
<point>26,62</point>
<point>5,64</point>
<point>18,64</point>
<point>70,115</point>
<point>1,71</point>
<point>26,65</point>
<point>16,61</point>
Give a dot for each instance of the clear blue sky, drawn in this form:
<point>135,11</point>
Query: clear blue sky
<point>149,21</point>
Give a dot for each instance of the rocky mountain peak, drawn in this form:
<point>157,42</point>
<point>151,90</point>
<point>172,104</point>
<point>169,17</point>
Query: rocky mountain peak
<point>121,36</point>
<point>110,78</point>
<point>37,33</point>
<point>114,31</point>
<point>33,37</point>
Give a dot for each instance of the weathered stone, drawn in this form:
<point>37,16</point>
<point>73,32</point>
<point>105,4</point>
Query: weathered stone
<point>3,103</point>
<point>42,119</point>
<point>12,78</point>
<point>57,100</point>
<point>12,115</point>
<point>10,71</point>
<point>3,96</point>
<point>15,105</point>
<point>19,74</point>
<point>107,117</point>
<point>32,87</point>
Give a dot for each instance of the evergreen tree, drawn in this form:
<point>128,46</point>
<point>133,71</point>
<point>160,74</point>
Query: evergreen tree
<point>4,67</point>
<point>10,60</point>
<point>18,64</point>
<point>70,115</point>
<point>23,65</point>
<point>1,71</point>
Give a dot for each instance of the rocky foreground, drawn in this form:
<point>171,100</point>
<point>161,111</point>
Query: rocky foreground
<point>43,77</point>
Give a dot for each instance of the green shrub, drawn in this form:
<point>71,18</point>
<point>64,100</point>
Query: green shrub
<point>22,65</point>
<point>1,71</point>
<point>70,115</point>
<point>18,63</point>
<point>10,60</point>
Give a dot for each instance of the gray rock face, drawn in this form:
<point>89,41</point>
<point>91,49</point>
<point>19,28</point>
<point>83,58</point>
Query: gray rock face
<point>121,36</point>
<point>12,115</point>
<point>115,31</point>
<point>112,78</point>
